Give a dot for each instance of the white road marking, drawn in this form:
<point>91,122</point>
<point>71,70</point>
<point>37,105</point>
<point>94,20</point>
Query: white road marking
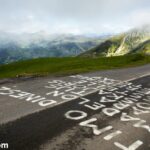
<point>96,130</point>
<point>148,74</point>
<point>112,135</point>
<point>134,146</point>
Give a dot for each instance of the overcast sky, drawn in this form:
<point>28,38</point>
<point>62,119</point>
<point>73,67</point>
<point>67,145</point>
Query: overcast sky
<point>73,16</point>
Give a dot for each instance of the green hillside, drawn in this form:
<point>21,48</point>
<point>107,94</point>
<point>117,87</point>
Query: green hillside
<point>69,65</point>
<point>108,46</point>
<point>143,48</point>
<point>134,41</point>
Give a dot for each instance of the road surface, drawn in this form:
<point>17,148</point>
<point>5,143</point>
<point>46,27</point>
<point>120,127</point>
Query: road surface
<point>105,110</point>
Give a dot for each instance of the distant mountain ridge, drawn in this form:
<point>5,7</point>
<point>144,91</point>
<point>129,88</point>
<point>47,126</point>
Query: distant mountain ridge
<point>14,47</point>
<point>134,41</point>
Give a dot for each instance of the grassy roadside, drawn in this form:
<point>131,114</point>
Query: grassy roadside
<point>69,65</point>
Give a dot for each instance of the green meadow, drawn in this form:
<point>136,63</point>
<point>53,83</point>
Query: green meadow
<point>69,65</point>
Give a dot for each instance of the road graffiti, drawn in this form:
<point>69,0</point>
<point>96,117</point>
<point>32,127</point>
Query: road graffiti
<point>113,101</point>
<point>102,97</point>
<point>29,97</point>
<point>60,90</point>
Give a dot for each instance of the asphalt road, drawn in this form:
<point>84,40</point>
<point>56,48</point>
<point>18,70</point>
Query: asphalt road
<point>106,110</point>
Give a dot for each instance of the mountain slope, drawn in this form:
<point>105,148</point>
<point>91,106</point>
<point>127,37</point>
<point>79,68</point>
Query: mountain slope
<point>143,48</point>
<point>27,46</point>
<point>134,41</point>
